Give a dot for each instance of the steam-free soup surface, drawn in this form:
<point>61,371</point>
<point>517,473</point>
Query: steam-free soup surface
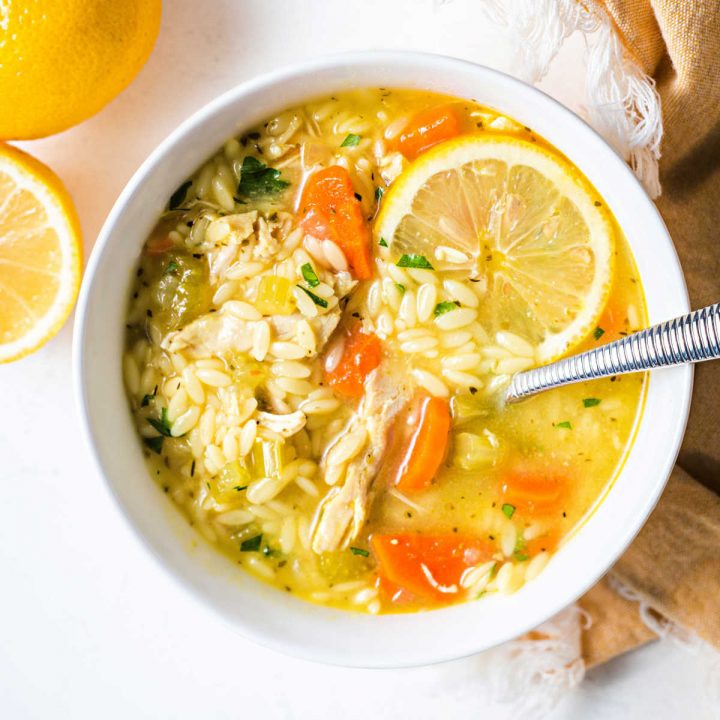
<point>325,403</point>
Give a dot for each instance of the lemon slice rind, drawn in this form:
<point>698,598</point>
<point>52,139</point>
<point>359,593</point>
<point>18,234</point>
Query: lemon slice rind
<point>566,179</point>
<point>24,174</point>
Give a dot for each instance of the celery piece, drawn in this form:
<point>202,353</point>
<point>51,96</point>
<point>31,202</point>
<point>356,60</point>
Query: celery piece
<point>180,295</point>
<point>341,565</point>
<point>468,407</point>
<point>274,296</point>
<point>230,482</point>
<point>472,452</point>
<point>247,372</point>
<point>268,458</point>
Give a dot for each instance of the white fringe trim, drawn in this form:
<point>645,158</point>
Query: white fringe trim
<point>624,105</point>
<point>622,102</point>
<point>521,680</point>
<point>533,674</point>
<point>683,638</point>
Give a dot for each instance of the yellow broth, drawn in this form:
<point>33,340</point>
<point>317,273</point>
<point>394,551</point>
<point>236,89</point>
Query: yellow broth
<point>578,436</point>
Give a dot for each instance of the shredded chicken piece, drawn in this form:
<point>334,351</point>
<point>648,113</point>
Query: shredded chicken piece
<point>391,165</point>
<point>241,224</point>
<point>211,334</point>
<point>285,326</point>
<point>344,283</point>
<point>246,237</point>
<point>342,512</point>
<point>222,333</point>
<point>285,425</point>
<point>231,231</point>
<point>267,246</point>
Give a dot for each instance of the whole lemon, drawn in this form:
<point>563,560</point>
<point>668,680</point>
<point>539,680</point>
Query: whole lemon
<point>63,60</point>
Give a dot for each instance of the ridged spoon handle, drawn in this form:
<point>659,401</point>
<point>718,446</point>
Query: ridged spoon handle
<point>687,339</point>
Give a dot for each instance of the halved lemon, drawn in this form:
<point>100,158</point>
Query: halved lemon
<point>517,217</point>
<point>40,254</point>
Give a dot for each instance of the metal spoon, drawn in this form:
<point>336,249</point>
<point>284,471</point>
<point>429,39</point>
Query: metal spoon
<point>688,339</point>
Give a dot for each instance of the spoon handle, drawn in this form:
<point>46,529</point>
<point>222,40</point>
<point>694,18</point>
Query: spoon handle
<point>687,339</point>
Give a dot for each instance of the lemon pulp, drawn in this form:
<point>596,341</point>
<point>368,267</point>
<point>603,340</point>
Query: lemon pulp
<point>516,217</point>
<point>40,254</point>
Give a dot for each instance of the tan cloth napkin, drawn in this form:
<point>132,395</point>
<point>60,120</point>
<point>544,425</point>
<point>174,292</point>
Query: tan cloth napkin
<point>674,564</point>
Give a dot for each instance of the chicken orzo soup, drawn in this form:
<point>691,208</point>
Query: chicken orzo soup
<point>320,330</point>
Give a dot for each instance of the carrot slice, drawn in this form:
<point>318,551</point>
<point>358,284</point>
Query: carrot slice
<point>547,542</point>
<point>427,128</point>
<point>361,355</point>
<point>391,592</point>
<point>330,211</point>
<point>534,492</point>
<point>611,324</point>
<point>429,421</point>
<point>428,566</point>
<point>158,244</point>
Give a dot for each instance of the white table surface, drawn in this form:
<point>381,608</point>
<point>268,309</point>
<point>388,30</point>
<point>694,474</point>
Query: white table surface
<point>90,626</point>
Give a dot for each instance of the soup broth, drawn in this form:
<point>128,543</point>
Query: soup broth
<point>326,406</point>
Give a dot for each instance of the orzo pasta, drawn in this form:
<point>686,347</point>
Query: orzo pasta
<point>323,401</point>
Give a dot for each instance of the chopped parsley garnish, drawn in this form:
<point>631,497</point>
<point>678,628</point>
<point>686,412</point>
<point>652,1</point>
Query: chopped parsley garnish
<point>383,242</point>
<point>178,197</point>
<point>146,400</point>
<point>379,192</point>
<point>400,287</point>
<point>240,487</point>
<point>591,402</point>
<point>520,550</point>
<point>508,510</point>
<point>171,267</point>
<point>352,140</point>
<point>598,332</point>
<point>444,307</point>
<point>162,425</point>
<point>564,424</point>
<point>257,179</point>
<point>359,551</point>
<point>414,261</point>
<point>322,302</point>
<point>309,274</point>
<point>155,443</point>
<point>251,544</point>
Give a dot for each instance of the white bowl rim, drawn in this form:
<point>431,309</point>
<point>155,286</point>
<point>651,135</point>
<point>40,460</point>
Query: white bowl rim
<point>393,653</point>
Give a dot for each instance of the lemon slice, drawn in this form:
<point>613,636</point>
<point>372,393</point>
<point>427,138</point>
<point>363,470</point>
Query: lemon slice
<point>40,254</point>
<point>517,217</point>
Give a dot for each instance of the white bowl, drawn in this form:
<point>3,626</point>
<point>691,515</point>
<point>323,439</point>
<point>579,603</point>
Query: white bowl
<point>257,610</point>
